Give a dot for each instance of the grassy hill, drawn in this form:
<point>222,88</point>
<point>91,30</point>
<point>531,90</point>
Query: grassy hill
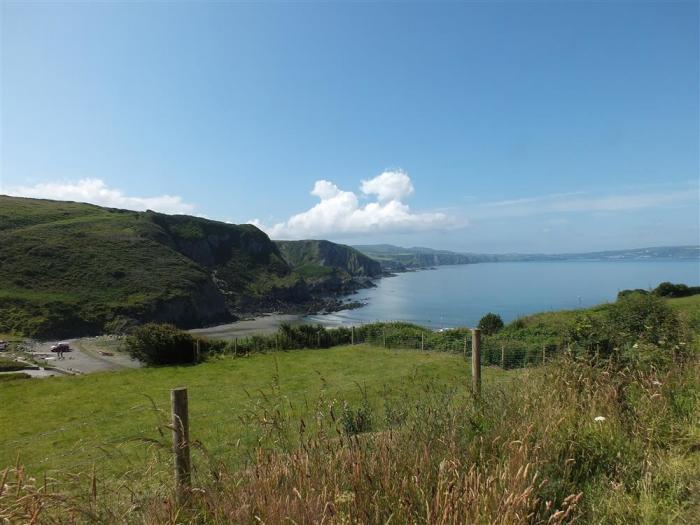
<point>337,266</point>
<point>70,268</point>
<point>395,258</point>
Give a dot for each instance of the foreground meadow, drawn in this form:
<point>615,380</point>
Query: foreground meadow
<point>108,419</point>
<point>606,430</point>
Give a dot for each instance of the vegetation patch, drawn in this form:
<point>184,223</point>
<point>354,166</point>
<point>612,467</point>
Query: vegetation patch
<point>9,365</point>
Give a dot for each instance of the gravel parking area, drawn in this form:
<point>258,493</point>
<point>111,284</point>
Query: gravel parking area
<point>87,355</point>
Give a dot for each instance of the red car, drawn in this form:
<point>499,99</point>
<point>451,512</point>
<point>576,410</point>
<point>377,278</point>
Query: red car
<point>61,347</point>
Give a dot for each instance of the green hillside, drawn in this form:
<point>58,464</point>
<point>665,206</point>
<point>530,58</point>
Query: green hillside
<point>339,267</point>
<point>70,269</point>
<point>395,258</point>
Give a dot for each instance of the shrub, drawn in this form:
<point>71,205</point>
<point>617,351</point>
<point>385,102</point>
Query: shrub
<point>667,289</point>
<point>624,293</point>
<point>357,420</point>
<point>9,365</point>
<point>161,344</point>
<point>591,334</point>
<point>643,318</point>
<point>491,323</point>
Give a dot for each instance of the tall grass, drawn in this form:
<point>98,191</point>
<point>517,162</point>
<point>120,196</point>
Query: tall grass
<point>571,441</point>
<point>606,432</point>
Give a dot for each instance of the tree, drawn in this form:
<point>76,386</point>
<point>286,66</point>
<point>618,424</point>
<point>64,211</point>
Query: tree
<point>161,344</point>
<point>667,289</point>
<point>490,323</point>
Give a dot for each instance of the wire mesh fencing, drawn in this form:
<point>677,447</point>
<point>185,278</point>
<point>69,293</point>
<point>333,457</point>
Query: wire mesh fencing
<point>133,431</point>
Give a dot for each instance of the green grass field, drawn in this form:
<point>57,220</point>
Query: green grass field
<point>69,423</point>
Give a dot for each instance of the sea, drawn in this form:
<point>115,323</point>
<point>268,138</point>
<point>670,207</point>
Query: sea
<point>450,296</point>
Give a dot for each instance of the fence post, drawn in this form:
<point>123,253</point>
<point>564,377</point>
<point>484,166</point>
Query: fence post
<point>352,335</point>
<point>422,341</point>
<point>544,353</point>
<point>319,339</point>
<point>235,346</point>
<point>181,441</point>
<point>384,337</point>
<point>503,357</point>
<point>465,347</point>
<point>196,351</point>
<point>476,362</point>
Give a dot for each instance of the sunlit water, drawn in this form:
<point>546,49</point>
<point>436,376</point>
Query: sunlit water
<point>460,295</point>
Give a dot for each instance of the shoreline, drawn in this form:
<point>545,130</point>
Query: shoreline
<point>264,324</point>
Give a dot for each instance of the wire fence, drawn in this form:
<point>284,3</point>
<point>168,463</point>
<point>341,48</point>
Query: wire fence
<point>222,425</point>
<point>495,350</point>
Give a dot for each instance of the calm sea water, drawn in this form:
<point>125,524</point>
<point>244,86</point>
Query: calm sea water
<point>460,295</point>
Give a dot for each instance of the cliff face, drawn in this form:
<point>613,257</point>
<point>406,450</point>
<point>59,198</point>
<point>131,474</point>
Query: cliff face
<point>326,256</point>
<point>72,269</point>
<point>394,258</point>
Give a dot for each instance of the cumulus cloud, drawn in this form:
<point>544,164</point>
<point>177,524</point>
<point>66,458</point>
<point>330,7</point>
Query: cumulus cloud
<point>389,186</point>
<point>340,212</point>
<point>95,191</point>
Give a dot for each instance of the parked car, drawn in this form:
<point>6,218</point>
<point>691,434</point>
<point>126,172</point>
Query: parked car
<point>61,347</point>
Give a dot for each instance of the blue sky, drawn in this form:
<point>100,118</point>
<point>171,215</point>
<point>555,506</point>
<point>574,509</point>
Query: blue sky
<point>508,126</point>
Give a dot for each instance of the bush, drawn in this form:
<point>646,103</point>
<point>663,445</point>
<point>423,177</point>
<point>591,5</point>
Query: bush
<point>357,420</point>
<point>9,365</point>
<point>667,289</point>
<point>490,323</point>
<point>161,344</point>
<point>625,293</point>
<point>640,318</point>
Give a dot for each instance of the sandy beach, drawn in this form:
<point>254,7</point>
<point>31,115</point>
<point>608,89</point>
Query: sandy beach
<point>265,324</point>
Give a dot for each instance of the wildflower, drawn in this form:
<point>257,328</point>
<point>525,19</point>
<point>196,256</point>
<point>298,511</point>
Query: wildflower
<point>599,418</point>
<point>345,497</point>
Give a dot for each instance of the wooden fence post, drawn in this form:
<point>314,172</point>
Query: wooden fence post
<point>235,346</point>
<point>503,357</point>
<point>352,335</point>
<point>476,362</point>
<point>181,441</point>
<point>422,341</point>
<point>319,339</point>
<point>465,347</point>
<point>544,353</point>
<point>384,337</point>
<point>196,351</point>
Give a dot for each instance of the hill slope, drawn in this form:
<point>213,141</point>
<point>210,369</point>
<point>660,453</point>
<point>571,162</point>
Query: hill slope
<point>70,268</point>
<point>396,258</point>
<point>330,266</point>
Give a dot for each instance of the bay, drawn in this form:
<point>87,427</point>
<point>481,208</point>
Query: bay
<point>450,296</point>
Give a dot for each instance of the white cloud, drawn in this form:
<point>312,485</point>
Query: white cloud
<point>389,186</point>
<point>582,202</point>
<point>95,191</point>
<point>339,212</point>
